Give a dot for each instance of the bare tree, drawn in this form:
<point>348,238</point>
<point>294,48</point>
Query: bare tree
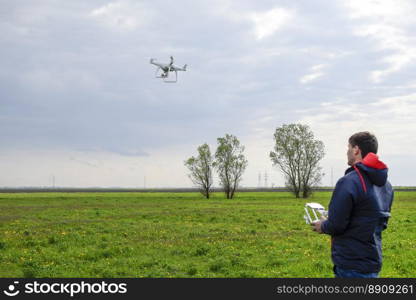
<point>297,154</point>
<point>201,169</point>
<point>230,163</point>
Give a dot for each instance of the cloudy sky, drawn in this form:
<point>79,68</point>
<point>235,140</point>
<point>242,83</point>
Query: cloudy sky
<point>79,101</point>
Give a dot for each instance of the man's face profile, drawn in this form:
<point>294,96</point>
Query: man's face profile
<point>352,154</point>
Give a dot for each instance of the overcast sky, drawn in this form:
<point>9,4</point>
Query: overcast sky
<point>79,101</point>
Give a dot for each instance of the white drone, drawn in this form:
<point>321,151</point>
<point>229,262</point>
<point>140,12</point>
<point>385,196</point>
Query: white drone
<point>163,70</point>
<point>314,208</point>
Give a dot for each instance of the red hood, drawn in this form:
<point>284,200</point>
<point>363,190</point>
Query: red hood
<point>371,160</point>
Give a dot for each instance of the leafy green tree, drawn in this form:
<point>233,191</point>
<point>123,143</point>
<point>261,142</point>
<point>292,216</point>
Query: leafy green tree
<point>200,168</point>
<point>297,154</point>
<point>230,163</point>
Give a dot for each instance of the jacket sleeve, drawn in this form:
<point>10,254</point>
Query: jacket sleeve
<point>340,208</point>
<point>390,195</point>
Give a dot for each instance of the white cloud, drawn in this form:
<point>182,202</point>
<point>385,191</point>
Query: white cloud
<point>316,72</point>
<point>387,23</point>
<point>119,15</point>
<point>267,23</point>
<point>391,119</point>
<point>377,8</point>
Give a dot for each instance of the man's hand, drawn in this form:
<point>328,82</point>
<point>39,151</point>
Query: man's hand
<point>316,226</point>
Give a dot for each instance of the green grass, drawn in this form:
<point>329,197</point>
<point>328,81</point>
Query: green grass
<point>180,235</point>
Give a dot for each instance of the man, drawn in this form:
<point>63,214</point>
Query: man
<point>359,211</point>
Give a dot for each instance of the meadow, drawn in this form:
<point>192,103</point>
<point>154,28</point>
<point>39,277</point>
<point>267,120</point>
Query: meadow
<point>259,234</point>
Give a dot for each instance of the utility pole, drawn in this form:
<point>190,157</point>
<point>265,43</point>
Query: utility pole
<point>259,183</point>
<point>265,179</point>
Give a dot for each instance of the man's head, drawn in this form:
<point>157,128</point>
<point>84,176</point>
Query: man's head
<point>359,145</point>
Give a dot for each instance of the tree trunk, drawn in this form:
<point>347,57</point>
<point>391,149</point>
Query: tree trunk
<point>227,192</point>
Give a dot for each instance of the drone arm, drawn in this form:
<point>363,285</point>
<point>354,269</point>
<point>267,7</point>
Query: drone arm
<point>340,209</point>
<point>157,64</point>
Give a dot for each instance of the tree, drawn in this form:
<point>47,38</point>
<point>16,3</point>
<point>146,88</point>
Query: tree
<point>230,163</point>
<point>297,154</point>
<point>201,169</point>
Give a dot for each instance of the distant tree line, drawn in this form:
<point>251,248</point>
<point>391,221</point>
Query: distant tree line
<point>296,153</point>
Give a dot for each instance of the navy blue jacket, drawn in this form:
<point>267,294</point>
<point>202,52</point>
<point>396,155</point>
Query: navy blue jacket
<point>358,213</point>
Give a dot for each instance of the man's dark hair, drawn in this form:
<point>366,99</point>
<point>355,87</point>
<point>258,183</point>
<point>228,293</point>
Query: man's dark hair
<point>366,141</point>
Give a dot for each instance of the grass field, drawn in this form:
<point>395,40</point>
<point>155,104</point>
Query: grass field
<point>180,235</point>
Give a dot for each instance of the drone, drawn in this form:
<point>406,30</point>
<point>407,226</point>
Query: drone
<point>163,70</point>
<point>314,208</point>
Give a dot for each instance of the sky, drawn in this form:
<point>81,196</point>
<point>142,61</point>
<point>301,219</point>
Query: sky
<point>80,105</point>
